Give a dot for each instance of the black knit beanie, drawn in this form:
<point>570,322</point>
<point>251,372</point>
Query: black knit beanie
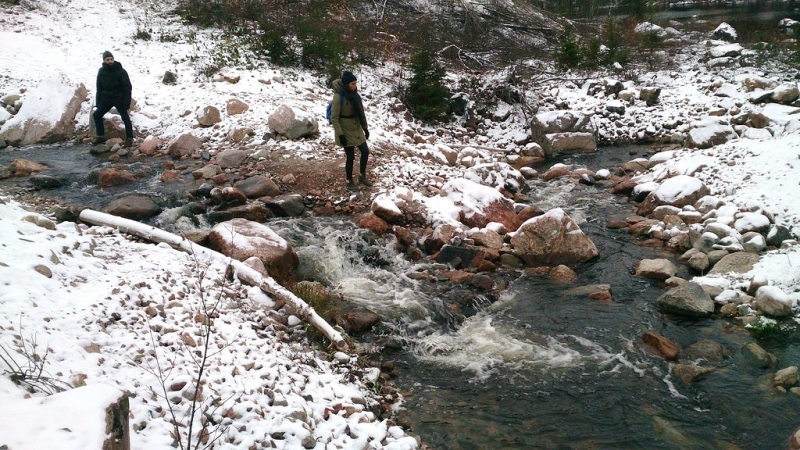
<point>348,77</point>
<point>107,54</point>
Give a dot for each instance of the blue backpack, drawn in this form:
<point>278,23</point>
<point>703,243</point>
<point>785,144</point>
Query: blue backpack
<point>330,106</point>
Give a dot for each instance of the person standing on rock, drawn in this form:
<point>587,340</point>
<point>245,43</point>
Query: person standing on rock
<point>113,90</point>
<point>350,126</point>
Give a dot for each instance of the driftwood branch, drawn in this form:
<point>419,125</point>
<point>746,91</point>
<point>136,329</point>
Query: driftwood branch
<point>245,273</point>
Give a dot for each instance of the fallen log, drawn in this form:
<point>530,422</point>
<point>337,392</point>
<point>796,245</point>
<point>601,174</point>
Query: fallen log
<point>245,273</point>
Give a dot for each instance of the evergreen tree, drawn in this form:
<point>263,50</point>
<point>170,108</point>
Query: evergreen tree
<point>427,97</point>
<point>569,54</point>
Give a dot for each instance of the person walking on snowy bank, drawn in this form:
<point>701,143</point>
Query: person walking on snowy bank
<point>350,126</point>
<point>113,90</point>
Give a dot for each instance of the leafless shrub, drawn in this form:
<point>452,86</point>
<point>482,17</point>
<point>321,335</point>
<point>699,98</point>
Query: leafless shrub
<point>30,372</point>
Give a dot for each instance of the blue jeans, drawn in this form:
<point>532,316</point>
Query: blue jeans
<point>102,109</point>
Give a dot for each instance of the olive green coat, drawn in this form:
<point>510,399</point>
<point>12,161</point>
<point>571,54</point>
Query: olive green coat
<point>348,126</point>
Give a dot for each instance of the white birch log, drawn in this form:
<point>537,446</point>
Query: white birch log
<point>245,273</point>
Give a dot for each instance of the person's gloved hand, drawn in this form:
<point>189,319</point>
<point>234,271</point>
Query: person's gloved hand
<point>343,140</point>
<point>366,134</point>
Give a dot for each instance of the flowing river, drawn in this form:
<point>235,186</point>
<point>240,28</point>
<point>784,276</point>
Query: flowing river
<point>535,367</point>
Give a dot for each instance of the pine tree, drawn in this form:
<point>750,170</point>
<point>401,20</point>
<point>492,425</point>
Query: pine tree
<point>427,97</point>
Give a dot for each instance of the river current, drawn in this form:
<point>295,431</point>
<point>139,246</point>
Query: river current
<point>535,367</point>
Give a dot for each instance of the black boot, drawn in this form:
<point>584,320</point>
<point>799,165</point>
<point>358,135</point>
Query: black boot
<point>363,180</point>
<point>351,186</point>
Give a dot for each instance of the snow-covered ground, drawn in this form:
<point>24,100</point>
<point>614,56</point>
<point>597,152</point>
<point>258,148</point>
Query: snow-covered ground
<point>100,309</point>
<point>98,299</point>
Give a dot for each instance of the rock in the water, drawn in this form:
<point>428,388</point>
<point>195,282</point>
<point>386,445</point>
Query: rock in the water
<point>688,300</point>
<point>551,239</point>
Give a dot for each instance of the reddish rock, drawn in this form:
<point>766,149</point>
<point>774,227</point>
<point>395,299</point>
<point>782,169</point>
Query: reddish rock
<point>602,296</point>
<point>386,209</point>
<point>135,207</point>
<point>616,224</point>
<point>236,106</point>
<point>220,179</point>
<point>240,239</point>
<point>642,228</point>
<point>114,177</point>
<point>437,238</point>
<point>233,196</point>
<point>405,237</point>
<point>169,176</point>
<point>487,238</point>
<point>557,171</point>
<point>483,282</point>
<point>357,322</point>
<point>794,441</point>
<point>653,243</point>
<point>258,186</point>
<point>23,167</point>
<point>373,223</point>
<point>677,191</point>
<point>150,145</point>
<point>659,269</point>
<point>563,275</point>
<point>551,239</point>
<point>637,165</point>
<point>663,346</point>
<point>624,187</point>
<point>255,211</point>
<point>231,159</point>
<point>481,204</point>
<point>184,145</point>
<point>458,276</point>
<point>529,212</point>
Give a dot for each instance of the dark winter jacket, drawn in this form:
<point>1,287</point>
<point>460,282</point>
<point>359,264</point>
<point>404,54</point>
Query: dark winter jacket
<point>114,86</point>
<point>347,116</point>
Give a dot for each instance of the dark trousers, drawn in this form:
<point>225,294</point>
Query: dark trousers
<point>351,157</point>
<point>102,109</point>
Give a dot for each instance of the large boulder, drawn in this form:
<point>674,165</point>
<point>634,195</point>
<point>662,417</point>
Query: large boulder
<point>386,209</point>
<point>557,143</point>
<point>288,205</point>
<point>240,239</point>
<point>687,300</point>
<point>564,132</point>
<point>208,116</point>
<point>725,32</point>
<point>135,207</point>
<point>552,239</point>
<point>22,167</point>
<point>659,269</point>
<point>258,186</point>
<point>236,106</point>
<point>709,132</point>
<point>113,177</point>
<point>479,205</point>
<point>497,175</point>
<point>292,123</point>
<point>785,93</point>
<point>47,114</point>
<point>184,145</point>
<point>677,191</point>
<point>773,301</point>
<point>254,211</point>
<point>739,262</point>
<point>231,159</point>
